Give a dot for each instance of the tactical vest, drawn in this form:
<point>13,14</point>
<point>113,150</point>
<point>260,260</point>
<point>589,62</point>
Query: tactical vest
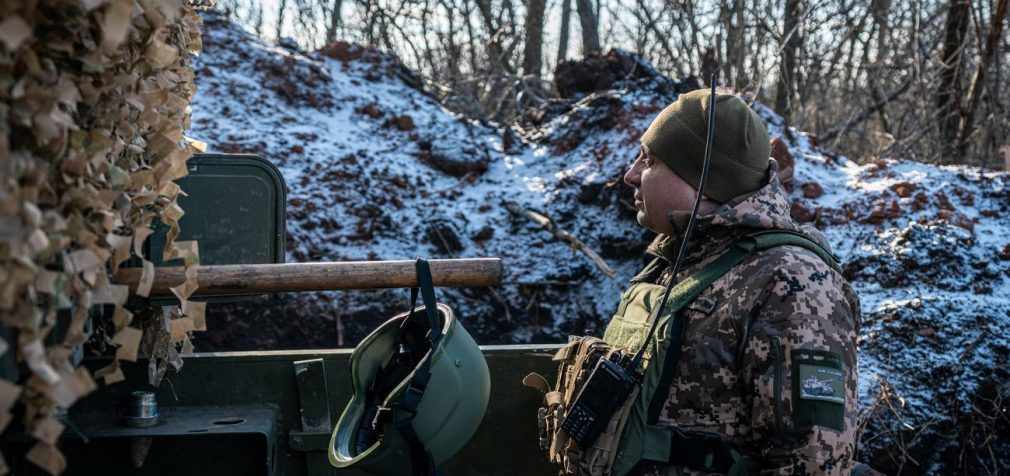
<point>632,435</point>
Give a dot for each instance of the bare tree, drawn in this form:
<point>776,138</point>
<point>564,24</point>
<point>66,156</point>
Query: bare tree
<point>258,19</point>
<point>533,51</point>
<point>949,91</point>
<point>923,75</point>
<point>280,18</point>
<point>566,16</point>
<point>496,51</point>
<point>331,29</point>
<point>732,14</point>
<point>590,27</point>
<point>966,126</point>
<point>709,65</point>
<point>787,70</point>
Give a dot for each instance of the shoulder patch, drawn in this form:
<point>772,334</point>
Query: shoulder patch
<point>821,383</point>
<point>818,389</point>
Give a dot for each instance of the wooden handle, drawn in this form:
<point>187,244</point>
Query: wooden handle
<point>323,276</point>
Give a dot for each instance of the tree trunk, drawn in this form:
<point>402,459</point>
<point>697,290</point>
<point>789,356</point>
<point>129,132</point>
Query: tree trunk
<point>757,61</point>
<point>881,14</point>
<point>533,51</point>
<point>258,22</point>
<point>787,70</point>
<point>992,43</point>
<point>881,10</point>
<point>496,54</point>
<point>280,19</point>
<point>331,30</point>
<point>709,66</point>
<point>566,15</point>
<point>736,45</point>
<point>588,22</point>
<point>948,95</point>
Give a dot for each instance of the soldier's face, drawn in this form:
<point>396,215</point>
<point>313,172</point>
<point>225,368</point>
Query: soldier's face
<point>658,191</point>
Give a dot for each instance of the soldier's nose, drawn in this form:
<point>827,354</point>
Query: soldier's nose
<point>632,177</point>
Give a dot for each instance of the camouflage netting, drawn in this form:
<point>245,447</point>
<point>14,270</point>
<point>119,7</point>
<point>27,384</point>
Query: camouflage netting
<point>95,98</point>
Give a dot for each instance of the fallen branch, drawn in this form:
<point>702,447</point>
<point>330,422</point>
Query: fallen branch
<point>547,223</point>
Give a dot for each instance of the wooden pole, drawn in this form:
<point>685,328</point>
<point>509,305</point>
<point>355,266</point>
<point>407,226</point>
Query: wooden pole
<point>323,276</point>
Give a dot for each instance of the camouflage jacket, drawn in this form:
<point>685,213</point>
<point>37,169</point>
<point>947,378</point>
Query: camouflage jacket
<point>744,371</point>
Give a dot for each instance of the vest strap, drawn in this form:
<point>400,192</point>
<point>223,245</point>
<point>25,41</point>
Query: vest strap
<point>658,443</point>
<point>702,452</point>
<point>764,240</point>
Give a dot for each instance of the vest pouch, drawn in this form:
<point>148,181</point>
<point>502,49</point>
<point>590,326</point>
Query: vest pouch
<point>628,331</point>
<point>641,441</point>
<point>630,325</point>
<point>599,459</point>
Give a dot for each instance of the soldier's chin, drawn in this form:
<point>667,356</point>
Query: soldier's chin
<point>641,219</point>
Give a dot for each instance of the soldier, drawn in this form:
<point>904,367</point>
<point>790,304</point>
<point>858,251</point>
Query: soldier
<point>768,360</point>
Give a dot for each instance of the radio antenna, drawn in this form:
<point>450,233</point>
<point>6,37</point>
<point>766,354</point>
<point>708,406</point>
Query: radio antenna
<point>690,226</point>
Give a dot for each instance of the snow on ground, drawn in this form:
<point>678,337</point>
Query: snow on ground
<point>356,145</point>
<point>377,169</point>
<point>926,249</point>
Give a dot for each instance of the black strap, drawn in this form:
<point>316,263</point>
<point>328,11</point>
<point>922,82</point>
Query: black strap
<point>421,462</point>
<point>701,451</point>
<point>427,287</point>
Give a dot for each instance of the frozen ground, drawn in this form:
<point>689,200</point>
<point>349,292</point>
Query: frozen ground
<point>379,170</point>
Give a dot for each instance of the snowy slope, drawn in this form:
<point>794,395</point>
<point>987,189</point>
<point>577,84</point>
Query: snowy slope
<point>379,170</point>
<point>926,249</point>
<point>362,185</point>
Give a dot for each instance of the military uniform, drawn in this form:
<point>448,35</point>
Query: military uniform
<point>756,343</point>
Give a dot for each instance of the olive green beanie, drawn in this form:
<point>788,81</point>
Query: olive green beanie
<point>740,150</point>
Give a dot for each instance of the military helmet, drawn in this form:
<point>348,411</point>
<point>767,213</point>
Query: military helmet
<point>421,387</point>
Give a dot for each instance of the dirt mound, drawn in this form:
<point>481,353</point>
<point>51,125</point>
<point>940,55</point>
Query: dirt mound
<point>616,68</point>
<point>937,255</point>
<point>941,401</point>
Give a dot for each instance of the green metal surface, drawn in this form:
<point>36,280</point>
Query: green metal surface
<point>505,444</point>
<point>316,415</point>
<point>231,439</point>
<point>235,208</point>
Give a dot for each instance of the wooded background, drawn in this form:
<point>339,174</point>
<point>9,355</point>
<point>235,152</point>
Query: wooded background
<point>920,79</point>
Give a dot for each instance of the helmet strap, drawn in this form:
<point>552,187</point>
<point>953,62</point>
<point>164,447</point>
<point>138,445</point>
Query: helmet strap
<point>421,462</point>
<point>426,286</point>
